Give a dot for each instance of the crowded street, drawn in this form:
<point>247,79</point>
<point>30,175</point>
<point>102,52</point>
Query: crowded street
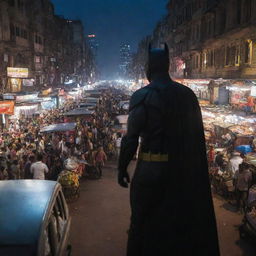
<point>104,204</point>
<point>127,128</point>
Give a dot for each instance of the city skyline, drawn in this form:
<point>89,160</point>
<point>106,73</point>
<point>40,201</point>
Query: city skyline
<point>114,22</point>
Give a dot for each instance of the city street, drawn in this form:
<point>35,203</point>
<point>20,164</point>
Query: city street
<point>100,219</point>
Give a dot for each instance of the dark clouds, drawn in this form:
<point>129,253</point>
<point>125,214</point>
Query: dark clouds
<point>114,22</point>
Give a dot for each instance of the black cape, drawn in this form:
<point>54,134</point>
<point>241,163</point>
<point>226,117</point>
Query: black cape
<point>183,223</point>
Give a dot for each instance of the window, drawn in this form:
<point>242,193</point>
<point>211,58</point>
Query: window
<point>20,4</point>
<point>198,31</point>
<point>6,58</point>
<point>17,31</point>
<point>204,59</point>
<point>227,56</point>
<point>24,33</point>
<point>238,57</point>
<point>248,51</point>
<point>233,55</point>
<point>38,39</point>
<point>12,30</point>
<point>247,10</point>
<point>211,62</point>
<point>37,59</point>
<point>197,61</point>
<point>239,8</point>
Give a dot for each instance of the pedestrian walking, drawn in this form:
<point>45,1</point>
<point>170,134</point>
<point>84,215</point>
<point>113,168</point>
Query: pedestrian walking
<point>99,158</point>
<point>242,183</point>
<point>39,169</point>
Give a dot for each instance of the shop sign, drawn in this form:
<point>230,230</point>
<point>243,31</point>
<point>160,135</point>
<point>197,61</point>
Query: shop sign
<point>7,107</point>
<point>253,91</point>
<point>17,72</point>
<point>28,82</point>
<point>8,97</point>
<point>29,97</point>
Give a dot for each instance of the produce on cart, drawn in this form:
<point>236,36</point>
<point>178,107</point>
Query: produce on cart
<point>69,179</point>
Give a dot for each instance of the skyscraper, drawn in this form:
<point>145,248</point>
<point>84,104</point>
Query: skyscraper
<point>93,44</point>
<point>125,60</point>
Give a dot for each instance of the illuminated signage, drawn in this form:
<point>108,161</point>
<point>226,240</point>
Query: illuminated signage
<point>7,107</point>
<point>17,72</point>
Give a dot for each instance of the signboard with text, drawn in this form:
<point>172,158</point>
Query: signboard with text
<point>7,107</point>
<point>17,72</point>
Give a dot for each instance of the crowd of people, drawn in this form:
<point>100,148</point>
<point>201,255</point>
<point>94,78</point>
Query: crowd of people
<point>231,166</point>
<point>28,154</point>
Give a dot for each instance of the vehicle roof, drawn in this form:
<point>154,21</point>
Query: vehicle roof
<point>62,127</point>
<point>23,204</point>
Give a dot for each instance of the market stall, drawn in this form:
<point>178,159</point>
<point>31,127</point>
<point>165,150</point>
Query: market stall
<point>82,113</point>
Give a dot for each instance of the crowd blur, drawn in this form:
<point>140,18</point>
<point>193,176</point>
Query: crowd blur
<point>26,153</point>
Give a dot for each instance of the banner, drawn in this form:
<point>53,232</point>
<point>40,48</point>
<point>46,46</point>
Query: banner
<point>7,107</point>
<point>17,72</point>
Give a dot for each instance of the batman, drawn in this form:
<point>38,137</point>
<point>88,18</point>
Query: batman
<point>170,195</point>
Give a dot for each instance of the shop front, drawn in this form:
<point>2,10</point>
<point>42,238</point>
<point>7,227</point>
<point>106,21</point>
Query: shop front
<point>15,78</point>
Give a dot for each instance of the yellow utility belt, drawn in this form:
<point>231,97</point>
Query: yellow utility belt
<point>150,157</point>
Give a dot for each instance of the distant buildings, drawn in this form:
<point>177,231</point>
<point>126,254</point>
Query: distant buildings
<point>39,48</point>
<point>125,60</point>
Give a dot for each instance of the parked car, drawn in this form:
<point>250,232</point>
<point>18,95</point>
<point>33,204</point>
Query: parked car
<point>34,219</point>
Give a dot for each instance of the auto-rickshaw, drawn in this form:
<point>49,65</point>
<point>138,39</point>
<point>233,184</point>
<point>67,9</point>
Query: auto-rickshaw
<point>34,219</point>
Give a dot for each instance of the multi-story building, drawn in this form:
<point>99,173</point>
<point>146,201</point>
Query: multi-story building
<point>125,60</point>
<point>40,48</point>
<point>93,44</point>
<point>212,38</point>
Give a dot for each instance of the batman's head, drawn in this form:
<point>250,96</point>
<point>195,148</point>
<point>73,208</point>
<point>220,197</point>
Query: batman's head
<point>158,61</point>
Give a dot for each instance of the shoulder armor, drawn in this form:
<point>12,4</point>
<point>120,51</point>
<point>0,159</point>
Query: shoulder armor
<point>138,97</point>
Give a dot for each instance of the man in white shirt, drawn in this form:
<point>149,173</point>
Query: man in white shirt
<point>234,162</point>
<point>39,169</point>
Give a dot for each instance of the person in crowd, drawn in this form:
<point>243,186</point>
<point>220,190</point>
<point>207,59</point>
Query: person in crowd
<point>211,156</point>
<point>57,167</point>
<point>100,157</point>
<point>234,162</point>
<point>39,169</point>
<point>3,173</point>
<point>15,170</point>
<point>41,145</point>
<point>242,183</point>
<point>27,167</point>
<point>219,160</point>
<point>118,144</point>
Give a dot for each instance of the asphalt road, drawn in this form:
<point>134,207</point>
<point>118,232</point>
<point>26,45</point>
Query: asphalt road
<point>100,220</point>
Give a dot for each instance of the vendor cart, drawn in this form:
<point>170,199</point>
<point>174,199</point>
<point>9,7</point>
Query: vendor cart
<point>69,179</point>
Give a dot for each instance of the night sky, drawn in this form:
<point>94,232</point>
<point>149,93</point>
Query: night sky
<point>114,22</point>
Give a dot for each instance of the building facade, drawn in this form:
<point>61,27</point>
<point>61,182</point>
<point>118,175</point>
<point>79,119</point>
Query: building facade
<point>39,47</point>
<point>212,38</point>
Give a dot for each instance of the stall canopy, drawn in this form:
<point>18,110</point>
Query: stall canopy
<point>79,112</point>
<point>63,127</point>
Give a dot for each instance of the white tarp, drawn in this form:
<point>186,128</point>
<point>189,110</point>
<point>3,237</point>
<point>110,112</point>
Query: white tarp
<point>62,127</point>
